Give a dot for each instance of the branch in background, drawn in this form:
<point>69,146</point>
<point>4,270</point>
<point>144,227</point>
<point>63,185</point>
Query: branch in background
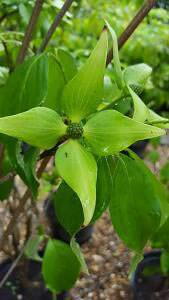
<point>14,264</point>
<point>7,177</point>
<point>10,227</point>
<point>9,61</point>
<point>55,24</point>
<point>142,13</point>
<point>29,31</point>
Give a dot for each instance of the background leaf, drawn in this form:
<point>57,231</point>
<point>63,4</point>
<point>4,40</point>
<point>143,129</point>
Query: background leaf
<point>68,64</point>
<point>56,84</point>
<point>137,74</point>
<point>32,247</point>
<point>26,87</point>
<point>72,156</point>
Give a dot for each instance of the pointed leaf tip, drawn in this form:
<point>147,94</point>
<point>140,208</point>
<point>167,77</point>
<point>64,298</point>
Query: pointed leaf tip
<point>78,168</point>
<point>83,93</point>
<point>40,127</point>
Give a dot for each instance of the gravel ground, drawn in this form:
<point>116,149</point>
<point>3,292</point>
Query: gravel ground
<point>108,263</point>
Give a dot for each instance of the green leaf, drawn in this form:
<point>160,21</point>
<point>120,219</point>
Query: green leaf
<point>84,92</point>
<point>68,208</point>
<point>56,84</point>
<point>157,120</point>
<point>164,262</point>
<point>134,207</point>
<point>24,165</point>
<point>164,173</point>
<point>6,187</point>
<point>137,74</point>
<point>68,64</point>
<point>77,251</point>
<point>60,267</point>
<point>116,60</point>
<point>159,189</point>
<point>153,156</point>
<point>78,168</point>
<point>26,87</point>
<point>109,132</point>
<point>32,247</point>
<point>134,262</point>
<point>160,238</point>
<point>40,127</point>
<point>142,113</point>
<point>103,187</point>
<point>4,72</point>
<point>25,12</point>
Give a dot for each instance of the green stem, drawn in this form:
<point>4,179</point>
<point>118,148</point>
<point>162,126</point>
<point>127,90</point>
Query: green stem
<point>159,122</point>
<point>54,296</point>
<point>111,105</point>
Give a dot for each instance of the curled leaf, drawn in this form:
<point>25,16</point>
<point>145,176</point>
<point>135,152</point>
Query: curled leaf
<point>137,74</point>
<point>116,60</point>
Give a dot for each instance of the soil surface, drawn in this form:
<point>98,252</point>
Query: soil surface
<point>108,262</point>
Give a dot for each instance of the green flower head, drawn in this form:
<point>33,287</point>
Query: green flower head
<point>86,131</point>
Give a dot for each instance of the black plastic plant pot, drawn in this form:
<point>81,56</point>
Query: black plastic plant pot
<point>31,287</point>
<point>139,147</point>
<point>58,230</point>
<point>148,282</point>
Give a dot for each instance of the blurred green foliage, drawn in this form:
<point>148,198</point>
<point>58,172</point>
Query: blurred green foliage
<point>81,28</point>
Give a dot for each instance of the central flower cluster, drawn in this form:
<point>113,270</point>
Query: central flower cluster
<point>74,130</point>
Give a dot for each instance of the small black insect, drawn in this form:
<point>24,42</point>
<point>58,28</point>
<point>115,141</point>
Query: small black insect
<point>66,154</point>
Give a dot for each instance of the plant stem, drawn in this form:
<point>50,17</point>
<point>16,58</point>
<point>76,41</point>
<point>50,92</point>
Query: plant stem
<point>10,227</point>
<point>54,296</point>
<point>2,150</point>
<point>7,177</point>
<point>29,31</point>
<point>14,264</point>
<point>55,24</point>
<point>142,13</point>
<point>111,104</point>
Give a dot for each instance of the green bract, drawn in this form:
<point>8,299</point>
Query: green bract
<point>134,78</point>
<point>79,125</point>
